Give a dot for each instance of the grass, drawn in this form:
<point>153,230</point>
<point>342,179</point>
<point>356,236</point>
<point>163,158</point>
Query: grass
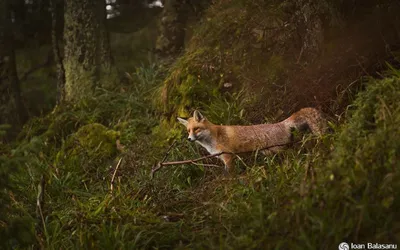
<point>329,190</point>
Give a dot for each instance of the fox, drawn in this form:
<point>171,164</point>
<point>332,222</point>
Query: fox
<point>267,138</point>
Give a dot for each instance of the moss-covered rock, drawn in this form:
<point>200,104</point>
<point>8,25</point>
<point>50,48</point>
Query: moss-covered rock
<point>53,127</point>
<point>90,145</point>
<point>241,45</point>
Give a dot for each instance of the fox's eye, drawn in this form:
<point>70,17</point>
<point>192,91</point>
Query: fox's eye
<point>196,130</point>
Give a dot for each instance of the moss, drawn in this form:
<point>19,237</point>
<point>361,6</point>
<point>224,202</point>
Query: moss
<point>186,88</point>
<point>53,127</point>
<point>92,143</point>
<point>166,131</point>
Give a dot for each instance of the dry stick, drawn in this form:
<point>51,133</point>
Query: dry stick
<point>162,164</point>
<point>39,205</point>
<point>206,165</point>
<point>168,150</point>
<point>153,170</point>
<point>113,177</point>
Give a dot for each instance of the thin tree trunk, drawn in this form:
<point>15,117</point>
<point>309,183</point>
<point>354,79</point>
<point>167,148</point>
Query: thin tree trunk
<point>12,110</point>
<point>55,6</point>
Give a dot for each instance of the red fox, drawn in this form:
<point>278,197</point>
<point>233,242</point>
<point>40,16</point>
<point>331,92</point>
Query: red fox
<point>240,139</point>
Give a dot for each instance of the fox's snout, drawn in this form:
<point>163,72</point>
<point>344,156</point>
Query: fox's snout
<point>191,137</point>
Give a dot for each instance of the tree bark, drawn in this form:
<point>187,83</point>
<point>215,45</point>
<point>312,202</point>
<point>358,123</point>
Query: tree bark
<point>11,108</point>
<point>56,30</point>
<point>87,57</point>
<point>172,28</point>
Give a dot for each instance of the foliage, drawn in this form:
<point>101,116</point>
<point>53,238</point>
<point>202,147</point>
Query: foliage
<point>365,162</point>
<point>16,223</point>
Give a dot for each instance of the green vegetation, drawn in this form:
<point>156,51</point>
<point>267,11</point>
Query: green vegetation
<point>92,159</point>
<point>344,187</point>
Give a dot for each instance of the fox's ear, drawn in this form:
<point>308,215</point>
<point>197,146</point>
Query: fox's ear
<point>183,121</point>
<point>198,117</point>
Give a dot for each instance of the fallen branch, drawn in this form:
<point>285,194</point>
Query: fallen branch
<point>113,177</point>
<point>162,163</point>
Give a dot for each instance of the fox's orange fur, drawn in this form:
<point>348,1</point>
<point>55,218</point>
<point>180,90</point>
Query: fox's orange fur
<point>240,139</point>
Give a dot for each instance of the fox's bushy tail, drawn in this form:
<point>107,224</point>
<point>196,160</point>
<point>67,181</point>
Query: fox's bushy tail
<point>308,118</point>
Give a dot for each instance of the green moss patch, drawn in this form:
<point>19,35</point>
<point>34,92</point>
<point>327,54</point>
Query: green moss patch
<point>93,142</point>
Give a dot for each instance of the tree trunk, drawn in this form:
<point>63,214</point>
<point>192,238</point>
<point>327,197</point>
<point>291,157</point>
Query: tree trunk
<point>11,109</point>
<point>56,30</point>
<point>87,56</point>
<point>172,30</point>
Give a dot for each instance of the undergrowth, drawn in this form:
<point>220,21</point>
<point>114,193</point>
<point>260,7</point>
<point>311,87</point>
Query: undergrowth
<point>339,187</point>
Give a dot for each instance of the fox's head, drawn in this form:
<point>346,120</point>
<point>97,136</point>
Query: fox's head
<point>197,127</point>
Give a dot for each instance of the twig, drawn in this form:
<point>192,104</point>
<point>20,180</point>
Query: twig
<point>206,165</point>
<point>39,205</point>
<point>162,164</point>
<point>194,160</point>
<point>168,150</point>
<point>113,177</point>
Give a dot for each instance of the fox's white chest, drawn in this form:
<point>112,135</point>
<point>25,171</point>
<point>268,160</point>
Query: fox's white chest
<point>209,146</point>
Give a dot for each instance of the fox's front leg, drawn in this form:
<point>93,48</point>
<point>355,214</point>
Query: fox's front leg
<point>228,161</point>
